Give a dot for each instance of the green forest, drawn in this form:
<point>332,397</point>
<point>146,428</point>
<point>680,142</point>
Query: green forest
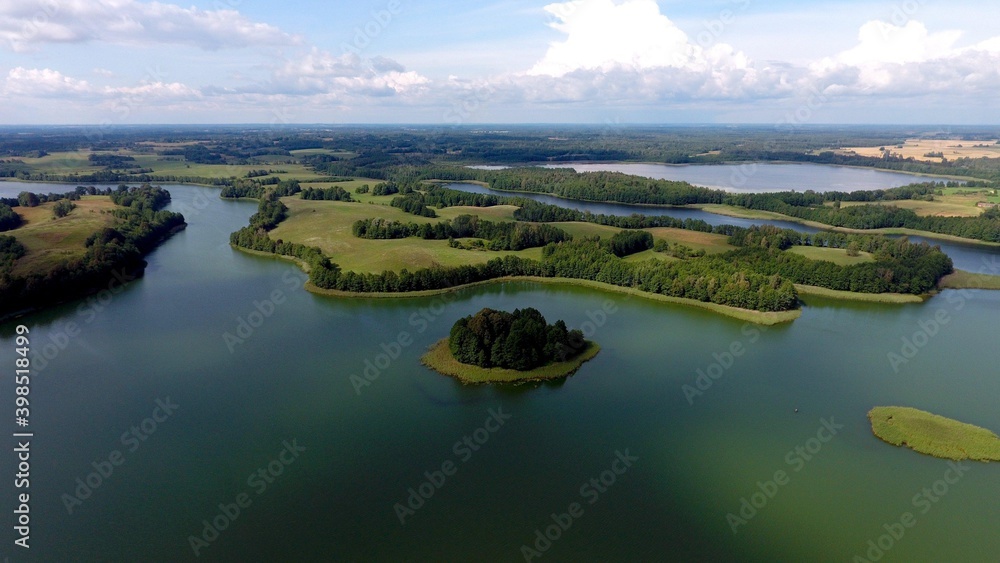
<point>521,340</point>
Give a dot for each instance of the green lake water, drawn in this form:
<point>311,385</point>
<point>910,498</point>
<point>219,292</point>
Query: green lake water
<point>289,381</point>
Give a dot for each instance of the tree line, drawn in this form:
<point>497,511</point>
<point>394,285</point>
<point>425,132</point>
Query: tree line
<point>139,225</point>
<point>501,235</point>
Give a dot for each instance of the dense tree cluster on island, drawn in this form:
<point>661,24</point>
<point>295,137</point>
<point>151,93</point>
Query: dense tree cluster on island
<point>521,340</point>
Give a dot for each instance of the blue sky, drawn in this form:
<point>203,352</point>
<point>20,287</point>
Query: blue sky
<point>513,61</point>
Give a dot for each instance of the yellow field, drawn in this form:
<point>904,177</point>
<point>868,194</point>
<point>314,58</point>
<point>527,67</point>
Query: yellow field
<point>963,203</point>
<point>950,148</point>
<point>50,241</point>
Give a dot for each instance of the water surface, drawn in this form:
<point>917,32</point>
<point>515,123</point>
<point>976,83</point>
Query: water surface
<point>164,336</point>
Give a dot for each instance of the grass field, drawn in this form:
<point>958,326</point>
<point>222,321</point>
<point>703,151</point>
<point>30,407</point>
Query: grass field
<point>836,255</point>
<point>741,212</point>
<point>961,279</point>
<point>76,162</point>
<point>710,243</point>
<point>889,298</point>
<point>950,148</point>
<point>50,241</point>
<point>948,205</point>
<point>440,359</point>
<point>934,435</point>
<point>327,224</point>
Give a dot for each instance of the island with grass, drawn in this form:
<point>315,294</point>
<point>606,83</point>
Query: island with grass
<point>58,247</point>
<point>427,239</point>
<point>934,435</point>
<point>500,347</point>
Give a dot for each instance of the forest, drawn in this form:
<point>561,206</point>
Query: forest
<point>521,340</point>
<point>502,235</point>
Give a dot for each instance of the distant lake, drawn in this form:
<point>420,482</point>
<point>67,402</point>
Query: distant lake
<point>758,176</point>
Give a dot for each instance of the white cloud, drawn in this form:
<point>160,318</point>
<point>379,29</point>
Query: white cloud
<point>881,42</point>
<point>630,52</point>
<point>603,34</point>
<point>27,23</point>
<point>320,72</point>
<point>909,60</point>
<point>45,82</point>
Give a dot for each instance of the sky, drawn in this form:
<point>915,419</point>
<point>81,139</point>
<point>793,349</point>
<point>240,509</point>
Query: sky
<point>607,62</point>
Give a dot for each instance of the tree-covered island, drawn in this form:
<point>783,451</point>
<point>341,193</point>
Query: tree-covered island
<point>500,347</point>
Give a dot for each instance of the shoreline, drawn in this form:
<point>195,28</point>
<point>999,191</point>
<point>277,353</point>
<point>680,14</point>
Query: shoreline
<point>440,359</point>
<point>570,164</point>
<point>885,298</point>
<point>751,214</point>
<point>756,317</point>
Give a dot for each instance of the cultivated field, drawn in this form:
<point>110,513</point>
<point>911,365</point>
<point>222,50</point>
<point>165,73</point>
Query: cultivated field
<point>955,202</point>
<point>918,149</point>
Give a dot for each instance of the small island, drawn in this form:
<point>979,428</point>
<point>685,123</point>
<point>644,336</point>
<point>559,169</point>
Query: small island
<point>934,435</point>
<point>500,347</point>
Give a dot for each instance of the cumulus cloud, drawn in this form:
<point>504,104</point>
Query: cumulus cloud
<point>630,50</point>
<point>909,60</point>
<point>320,72</point>
<point>602,34</point>
<point>45,82</point>
<point>25,24</point>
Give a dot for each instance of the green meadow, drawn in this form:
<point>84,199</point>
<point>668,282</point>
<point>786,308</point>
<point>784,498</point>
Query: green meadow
<point>934,435</point>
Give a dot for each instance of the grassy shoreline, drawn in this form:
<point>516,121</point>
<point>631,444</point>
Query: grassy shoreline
<point>934,435</point>
<point>891,298</point>
<point>740,213</point>
<point>756,317</point>
<point>961,279</point>
<point>440,359</point>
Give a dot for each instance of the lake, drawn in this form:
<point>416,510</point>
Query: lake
<point>245,411</point>
<point>966,256</point>
<point>763,176</point>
